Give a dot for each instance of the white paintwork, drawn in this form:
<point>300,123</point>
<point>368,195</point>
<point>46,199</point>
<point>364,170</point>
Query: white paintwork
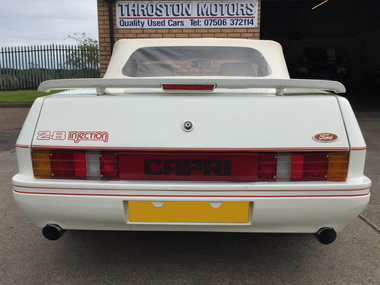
<point>299,215</point>
<point>220,121</point>
<point>241,114</point>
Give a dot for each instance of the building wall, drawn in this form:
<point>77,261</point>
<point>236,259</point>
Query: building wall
<point>104,33</point>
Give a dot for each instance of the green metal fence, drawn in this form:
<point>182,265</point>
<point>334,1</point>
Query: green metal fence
<point>27,67</point>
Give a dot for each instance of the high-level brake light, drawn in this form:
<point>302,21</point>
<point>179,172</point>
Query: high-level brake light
<point>193,87</point>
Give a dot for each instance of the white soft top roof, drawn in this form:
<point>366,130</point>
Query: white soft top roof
<point>272,52</point>
<point>277,81</point>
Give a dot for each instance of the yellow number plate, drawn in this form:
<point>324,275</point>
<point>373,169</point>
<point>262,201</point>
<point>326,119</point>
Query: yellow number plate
<point>188,212</point>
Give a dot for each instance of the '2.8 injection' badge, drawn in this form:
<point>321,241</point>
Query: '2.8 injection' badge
<point>326,137</point>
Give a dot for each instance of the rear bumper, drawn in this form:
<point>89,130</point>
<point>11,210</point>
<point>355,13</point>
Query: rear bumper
<point>302,208</point>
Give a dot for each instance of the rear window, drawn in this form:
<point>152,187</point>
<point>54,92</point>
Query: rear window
<point>196,61</point>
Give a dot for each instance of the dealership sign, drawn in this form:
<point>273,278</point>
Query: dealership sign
<point>186,14</point>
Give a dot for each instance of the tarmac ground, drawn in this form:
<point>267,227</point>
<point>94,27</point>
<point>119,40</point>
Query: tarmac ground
<point>88,257</point>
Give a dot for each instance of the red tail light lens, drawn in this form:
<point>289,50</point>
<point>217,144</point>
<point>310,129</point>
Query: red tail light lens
<point>109,165</point>
<point>309,166</point>
<point>80,164</point>
<point>267,167</point>
<point>315,167</point>
<point>68,165</point>
<point>297,167</point>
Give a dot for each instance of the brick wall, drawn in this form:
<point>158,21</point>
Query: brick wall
<point>104,31</point>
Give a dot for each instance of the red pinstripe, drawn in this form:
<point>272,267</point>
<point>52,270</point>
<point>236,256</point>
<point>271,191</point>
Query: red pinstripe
<point>190,196</point>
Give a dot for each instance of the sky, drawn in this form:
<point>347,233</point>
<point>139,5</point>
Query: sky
<point>38,22</point>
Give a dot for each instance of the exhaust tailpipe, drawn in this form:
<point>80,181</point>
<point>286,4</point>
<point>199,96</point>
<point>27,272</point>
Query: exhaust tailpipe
<point>325,235</point>
<point>52,232</point>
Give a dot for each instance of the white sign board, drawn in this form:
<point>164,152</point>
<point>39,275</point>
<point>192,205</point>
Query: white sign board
<point>186,14</point>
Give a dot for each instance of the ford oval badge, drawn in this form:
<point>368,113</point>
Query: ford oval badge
<point>326,137</point>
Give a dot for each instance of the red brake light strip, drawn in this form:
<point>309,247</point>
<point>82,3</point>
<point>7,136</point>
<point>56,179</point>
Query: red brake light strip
<point>194,87</point>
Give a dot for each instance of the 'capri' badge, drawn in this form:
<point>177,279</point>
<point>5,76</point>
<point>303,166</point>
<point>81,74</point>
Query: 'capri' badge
<point>326,137</point>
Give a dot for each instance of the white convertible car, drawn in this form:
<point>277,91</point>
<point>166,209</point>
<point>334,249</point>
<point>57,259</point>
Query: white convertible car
<point>192,135</point>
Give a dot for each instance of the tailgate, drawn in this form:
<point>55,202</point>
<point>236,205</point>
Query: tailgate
<point>263,123</point>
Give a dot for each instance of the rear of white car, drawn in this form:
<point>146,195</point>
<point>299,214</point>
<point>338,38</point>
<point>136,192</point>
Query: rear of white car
<point>192,153</point>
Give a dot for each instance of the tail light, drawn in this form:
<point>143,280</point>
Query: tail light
<point>191,166</point>
<point>337,166</point>
<point>309,166</point>
<point>68,165</point>
<point>41,164</point>
<point>109,166</point>
<point>75,165</point>
<point>267,167</point>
